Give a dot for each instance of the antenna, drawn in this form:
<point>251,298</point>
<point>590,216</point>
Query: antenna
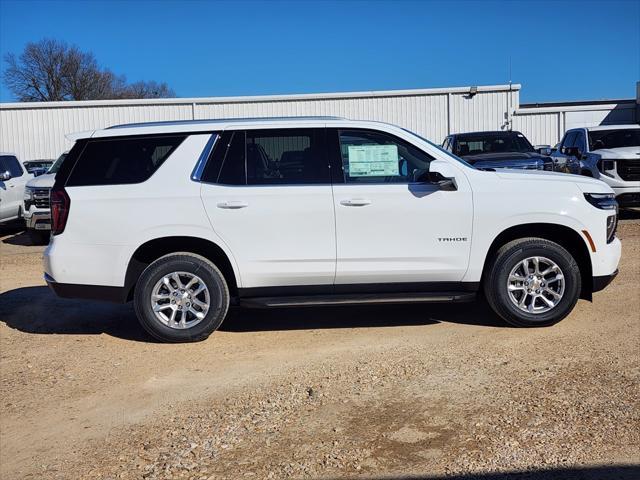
<point>509,70</point>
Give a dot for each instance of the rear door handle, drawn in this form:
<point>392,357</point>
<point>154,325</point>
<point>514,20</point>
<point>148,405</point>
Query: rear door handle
<point>233,205</point>
<point>355,202</point>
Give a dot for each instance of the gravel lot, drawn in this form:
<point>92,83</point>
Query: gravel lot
<point>411,392</point>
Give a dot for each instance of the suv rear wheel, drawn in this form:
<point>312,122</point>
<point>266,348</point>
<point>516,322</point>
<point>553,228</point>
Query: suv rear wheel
<point>533,282</point>
<point>181,297</point>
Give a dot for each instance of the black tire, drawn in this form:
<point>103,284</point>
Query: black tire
<point>507,257</point>
<point>39,237</point>
<point>182,262</point>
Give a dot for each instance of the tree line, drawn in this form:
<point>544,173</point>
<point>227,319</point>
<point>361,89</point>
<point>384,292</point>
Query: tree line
<point>51,70</point>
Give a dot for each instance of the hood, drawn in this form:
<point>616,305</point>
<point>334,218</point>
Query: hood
<point>622,152</point>
<point>585,184</point>
<point>43,181</point>
<point>504,157</point>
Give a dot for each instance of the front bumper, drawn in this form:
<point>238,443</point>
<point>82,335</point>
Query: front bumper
<point>600,283</point>
<point>38,220</point>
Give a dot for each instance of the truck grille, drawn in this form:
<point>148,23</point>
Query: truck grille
<point>629,170</point>
<point>41,197</point>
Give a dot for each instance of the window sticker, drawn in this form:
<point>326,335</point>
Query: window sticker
<point>373,160</point>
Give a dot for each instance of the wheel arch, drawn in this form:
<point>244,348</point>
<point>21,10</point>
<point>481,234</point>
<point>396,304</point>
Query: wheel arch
<point>565,236</point>
<point>153,249</point>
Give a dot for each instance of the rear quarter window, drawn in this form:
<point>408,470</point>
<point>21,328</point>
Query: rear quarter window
<point>117,161</point>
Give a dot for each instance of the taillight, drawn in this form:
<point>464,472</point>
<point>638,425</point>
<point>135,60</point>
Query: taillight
<point>60,204</point>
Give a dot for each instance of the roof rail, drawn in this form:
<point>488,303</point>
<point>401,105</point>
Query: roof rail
<point>218,120</point>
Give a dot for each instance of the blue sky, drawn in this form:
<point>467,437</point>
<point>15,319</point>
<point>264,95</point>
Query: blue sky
<point>559,50</point>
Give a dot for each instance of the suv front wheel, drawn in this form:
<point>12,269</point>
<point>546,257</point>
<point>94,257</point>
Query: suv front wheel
<point>181,297</point>
<point>533,282</point>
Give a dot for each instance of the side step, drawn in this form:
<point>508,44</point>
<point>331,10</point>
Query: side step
<point>358,299</point>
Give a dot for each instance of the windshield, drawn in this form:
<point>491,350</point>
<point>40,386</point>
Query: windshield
<point>480,143</point>
<point>56,165</point>
<point>449,154</point>
<point>624,137</point>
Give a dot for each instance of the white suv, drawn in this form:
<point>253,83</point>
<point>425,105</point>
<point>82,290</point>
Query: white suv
<point>185,218</point>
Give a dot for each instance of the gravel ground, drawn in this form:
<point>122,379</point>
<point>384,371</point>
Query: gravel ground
<point>387,392</point>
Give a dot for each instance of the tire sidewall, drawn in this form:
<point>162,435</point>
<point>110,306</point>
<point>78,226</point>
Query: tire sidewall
<point>553,252</point>
<point>210,275</point>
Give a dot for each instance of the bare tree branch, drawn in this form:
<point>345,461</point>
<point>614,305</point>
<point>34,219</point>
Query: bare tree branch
<point>51,70</point>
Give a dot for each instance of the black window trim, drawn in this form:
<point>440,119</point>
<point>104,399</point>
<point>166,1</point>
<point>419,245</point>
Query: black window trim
<point>203,159</point>
<point>327,159</point>
<point>88,140</point>
<point>337,159</point>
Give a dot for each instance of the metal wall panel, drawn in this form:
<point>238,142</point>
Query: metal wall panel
<point>39,133</point>
<point>539,128</point>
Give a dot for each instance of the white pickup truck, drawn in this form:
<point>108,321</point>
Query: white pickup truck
<point>184,218</point>
<point>36,211</point>
<point>610,153</point>
<point>13,178</point>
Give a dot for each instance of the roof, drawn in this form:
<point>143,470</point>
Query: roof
<point>486,132</point>
<point>204,126</point>
<point>611,127</point>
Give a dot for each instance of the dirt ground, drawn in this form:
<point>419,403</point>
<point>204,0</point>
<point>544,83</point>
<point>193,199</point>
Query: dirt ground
<point>411,392</point>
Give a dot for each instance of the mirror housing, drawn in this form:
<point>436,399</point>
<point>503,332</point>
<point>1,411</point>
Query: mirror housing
<point>543,149</point>
<point>572,152</point>
<point>439,174</point>
<point>4,176</point>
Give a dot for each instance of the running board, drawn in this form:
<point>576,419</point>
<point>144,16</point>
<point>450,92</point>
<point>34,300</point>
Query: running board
<point>357,299</point>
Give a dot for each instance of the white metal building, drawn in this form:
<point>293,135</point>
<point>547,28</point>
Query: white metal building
<point>37,130</point>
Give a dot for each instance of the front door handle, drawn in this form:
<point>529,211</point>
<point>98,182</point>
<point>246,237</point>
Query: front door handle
<point>233,205</point>
<point>355,202</point>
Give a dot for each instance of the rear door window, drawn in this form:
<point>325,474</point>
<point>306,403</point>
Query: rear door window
<point>270,157</point>
<point>116,161</point>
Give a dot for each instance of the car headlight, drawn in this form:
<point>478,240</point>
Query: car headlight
<point>28,193</point>
<point>603,201</point>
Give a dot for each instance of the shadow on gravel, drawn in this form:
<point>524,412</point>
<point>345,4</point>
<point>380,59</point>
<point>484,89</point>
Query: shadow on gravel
<point>15,229</point>
<point>20,238</point>
<point>629,214</point>
<point>38,310</point>
<point>627,472</point>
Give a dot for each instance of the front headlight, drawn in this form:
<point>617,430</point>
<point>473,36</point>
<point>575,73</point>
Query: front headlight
<point>603,201</point>
<point>28,194</point>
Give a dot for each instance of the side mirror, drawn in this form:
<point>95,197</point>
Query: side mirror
<point>546,151</point>
<point>434,177</point>
<point>572,152</point>
<point>4,176</point>
<point>443,183</point>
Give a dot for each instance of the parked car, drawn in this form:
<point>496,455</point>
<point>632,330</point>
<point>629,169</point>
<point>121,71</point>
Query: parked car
<point>609,153</point>
<point>184,218</point>
<point>502,149</point>
<point>36,211</point>
<point>37,167</point>
<point>13,178</point>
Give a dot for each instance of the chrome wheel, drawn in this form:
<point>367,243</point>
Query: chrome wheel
<point>180,300</point>
<point>536,285</point>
